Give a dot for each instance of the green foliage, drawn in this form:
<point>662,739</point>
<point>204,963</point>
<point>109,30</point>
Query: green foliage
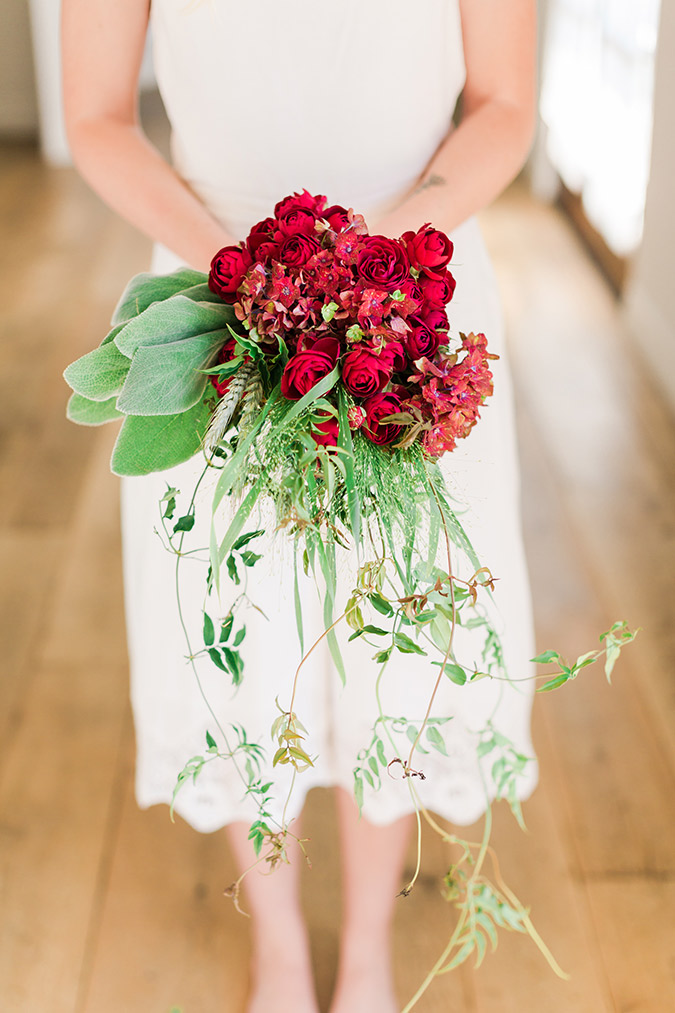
<point>176,320</point>
<point>91,413</point>
<point>145,289</point>
<point>148,444</point>
<point>99,375</point>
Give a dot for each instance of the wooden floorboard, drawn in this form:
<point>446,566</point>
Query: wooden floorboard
<point>104,907</point>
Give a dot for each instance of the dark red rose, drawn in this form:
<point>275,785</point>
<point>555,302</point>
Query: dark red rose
<point>307,367</point>
<point>337,217</point>
<point>297,250</point>
<point>438,291</point>
<point>300,200</point>
<point>376,408</point>
<point>297,221</point>
<point>326,432</point>
<point>228,268</point>
<point>429,250</point>
<point>226,354</point>
<point>412,289</point>
<point>267,250</point>
<point>421,340</point>
<point>382,262</point>
<point>262,232</point>
<point>395,353</point>
<point>365,373</point>
<point>435,319</point>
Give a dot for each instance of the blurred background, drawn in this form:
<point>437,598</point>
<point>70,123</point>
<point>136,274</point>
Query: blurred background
<point>104,907</point>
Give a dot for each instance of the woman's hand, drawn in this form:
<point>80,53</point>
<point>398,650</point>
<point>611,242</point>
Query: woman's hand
<point>103,44</point>
<point>479,158</point>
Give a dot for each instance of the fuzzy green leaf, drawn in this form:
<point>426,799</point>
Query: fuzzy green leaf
<point>158,442</point>
<point>165,379</point>
<point>99,374</point>
<point>145,289</point>
<point>175,320</point>
<point>91,413</point>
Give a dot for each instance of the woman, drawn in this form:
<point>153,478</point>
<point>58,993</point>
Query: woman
<point>355,100</point>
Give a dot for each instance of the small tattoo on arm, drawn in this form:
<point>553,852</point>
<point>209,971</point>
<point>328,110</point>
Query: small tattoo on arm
<point>426,184</point>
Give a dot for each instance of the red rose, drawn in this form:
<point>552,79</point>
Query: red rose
<point>435,319</point>
<point>337,217</point>
<point>228,268</point>
<point>300,200</point>
<point>307,367</point>
<point>297,221</point>
<point>429,250</point>
<point>421,340</point>
<point>412,289</point>
<point>382,262</point>
<point>438,291</point>
<point>365,373</point>
<point>297,250</point>
<point>376,408</point>
<point>325,433</point>
<point>226,354</point>
<point>395,353</point>
<point>260,234</point>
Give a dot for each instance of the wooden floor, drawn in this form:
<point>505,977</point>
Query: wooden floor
<point>105,908</point>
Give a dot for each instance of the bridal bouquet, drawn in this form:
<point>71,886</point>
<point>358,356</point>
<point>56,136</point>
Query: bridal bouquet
<point>315,370</point>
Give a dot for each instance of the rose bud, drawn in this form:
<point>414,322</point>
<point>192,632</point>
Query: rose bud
<point>337,217</point>
<point>300,200</point>
<point>429,250</point>
<point>435,319</point>
<point>356,416</point>
<point>378,407</point>
<point>307,367</point>
<point>226,354</point>
<point>382,263</point>
<point>297,221</point>
<point>325,433</point>
<point>228,268</point>
<point>297,250</point>
<point>365,373</point>
<point>421,340</point>
<point>438,291</point>
<point>395,353</point>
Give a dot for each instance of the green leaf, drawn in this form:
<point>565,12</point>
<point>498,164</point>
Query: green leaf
<point>210,741</point>
<point>209,631</point>
<point>383,656</point>
<point>358,791</point>
<point>226,628</point>
<point>99,374</point>
<point>214,655</point>
<point>91,413</point>
<point>455,673</point>
<point>239,637</point>
<point>380,604</point>
<point>154,443</point>
<point>145,289</point>
<point>165,379</point>
<point>436,740</point>
<point>329,310</point>
<point>245,539</point>
<point>559,680</point>
<point>185,523</point>
<point>232,571</point>
<point>546,658</point>
<point>381,753</point>
<point>176,320</point>
<point>250,558</point>
<point>406,645</point>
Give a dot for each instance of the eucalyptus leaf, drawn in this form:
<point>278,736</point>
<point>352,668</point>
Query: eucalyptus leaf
<point>99,374</point>
<point>165,379</point>
<point>91,413</point>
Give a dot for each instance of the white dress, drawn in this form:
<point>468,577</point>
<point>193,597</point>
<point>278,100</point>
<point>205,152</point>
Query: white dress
<point>349,99</point>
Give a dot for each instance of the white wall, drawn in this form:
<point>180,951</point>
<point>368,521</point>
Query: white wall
<point>650,296</point>
<point>18,105</point>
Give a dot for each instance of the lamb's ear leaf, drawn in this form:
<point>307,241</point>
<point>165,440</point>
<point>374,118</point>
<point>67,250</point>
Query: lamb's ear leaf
<point>173,320</point>
<point>145,289</point>
<point>91,413</point>
<point>166,379</point>
<point>98,375</point>
<point>147,444</point>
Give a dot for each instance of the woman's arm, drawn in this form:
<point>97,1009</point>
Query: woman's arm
<point>485,152</point>
<point>102,44</point>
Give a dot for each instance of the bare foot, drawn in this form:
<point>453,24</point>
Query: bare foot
<point>281,975</point>
<point>365,988</point>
